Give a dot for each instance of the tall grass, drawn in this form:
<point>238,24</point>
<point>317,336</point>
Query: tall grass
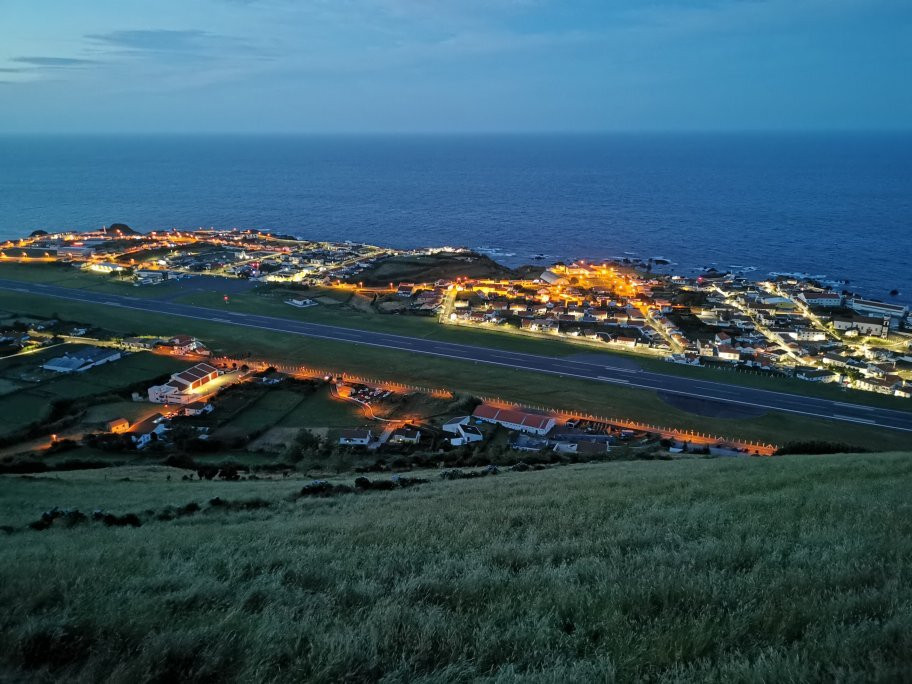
<point>792,569</point>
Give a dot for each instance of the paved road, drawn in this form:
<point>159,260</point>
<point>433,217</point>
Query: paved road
<point>589,370</point>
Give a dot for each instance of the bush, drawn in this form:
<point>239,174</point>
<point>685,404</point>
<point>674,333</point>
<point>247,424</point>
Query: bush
<point>817,447</point>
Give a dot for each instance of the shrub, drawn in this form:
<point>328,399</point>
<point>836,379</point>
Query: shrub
<point>819,447</point>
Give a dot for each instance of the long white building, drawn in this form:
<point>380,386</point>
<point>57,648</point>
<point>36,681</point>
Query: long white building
<point>185,387</point>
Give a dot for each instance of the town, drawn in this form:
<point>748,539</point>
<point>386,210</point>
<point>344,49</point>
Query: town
<point>783,326</point>
<point>198,400</point>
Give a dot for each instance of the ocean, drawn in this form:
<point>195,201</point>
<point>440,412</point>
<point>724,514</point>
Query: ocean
<point>833,205</point>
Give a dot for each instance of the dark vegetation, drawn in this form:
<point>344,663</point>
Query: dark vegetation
<point>819,447</point>
<point>428,268</point>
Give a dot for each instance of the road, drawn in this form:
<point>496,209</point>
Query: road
<point>587,370</point>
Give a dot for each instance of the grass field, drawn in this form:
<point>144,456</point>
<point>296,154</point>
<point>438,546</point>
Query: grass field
<point>265,411</point>
<point>754,570</point>
<point>33,401</point>
<point>320,410</point>
<point>479,379</point>
<point>67,276</point>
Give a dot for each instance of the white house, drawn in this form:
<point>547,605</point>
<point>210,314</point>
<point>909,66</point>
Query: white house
<point>405,435</point>
<point>728,353</point>
<point>464,433</point>
<point>151,428</point>
<point>300,303</point>
<point>861,324</point>
<point>197,408</point>
<point>356,437</point>
<point>813,298</point>
<point>807,335</point>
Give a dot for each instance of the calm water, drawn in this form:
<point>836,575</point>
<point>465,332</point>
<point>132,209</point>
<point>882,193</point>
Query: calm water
<point>824,204</point>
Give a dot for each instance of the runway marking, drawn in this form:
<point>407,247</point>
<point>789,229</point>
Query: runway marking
<point>855,420</point>
<point>856,406</point>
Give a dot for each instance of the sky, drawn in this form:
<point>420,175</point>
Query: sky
<point>428,66</point>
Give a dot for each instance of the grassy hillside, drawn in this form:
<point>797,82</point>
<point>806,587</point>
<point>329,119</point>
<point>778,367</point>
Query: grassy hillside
<point>428,268</point>
<point>788,569</point>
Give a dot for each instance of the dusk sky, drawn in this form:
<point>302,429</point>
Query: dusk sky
<point>454,65</point>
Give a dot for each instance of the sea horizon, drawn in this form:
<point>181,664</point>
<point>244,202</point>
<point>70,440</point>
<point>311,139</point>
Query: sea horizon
<point>786,201</point>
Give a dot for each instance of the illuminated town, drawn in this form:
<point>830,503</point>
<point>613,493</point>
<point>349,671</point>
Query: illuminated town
<point>192,394</point>
<point>785,326</point>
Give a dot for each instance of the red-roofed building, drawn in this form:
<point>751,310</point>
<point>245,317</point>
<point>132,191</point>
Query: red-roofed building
<point>515,420</point>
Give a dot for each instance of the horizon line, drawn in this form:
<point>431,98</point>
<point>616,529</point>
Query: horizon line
<point>468,133</point>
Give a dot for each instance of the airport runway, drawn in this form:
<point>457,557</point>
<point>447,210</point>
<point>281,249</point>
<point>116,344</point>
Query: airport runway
<point>588,370</point>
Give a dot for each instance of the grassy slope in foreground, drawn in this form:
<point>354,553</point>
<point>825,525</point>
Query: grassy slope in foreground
<point>272,304</point>
<point>524,387</point>
<point>788,569</point>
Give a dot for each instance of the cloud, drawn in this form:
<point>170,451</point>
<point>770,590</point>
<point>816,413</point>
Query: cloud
<point>52,62</point>
<point>168,42</point>
<point>155,40</point>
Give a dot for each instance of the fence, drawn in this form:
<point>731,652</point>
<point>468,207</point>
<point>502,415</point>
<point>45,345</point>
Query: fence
<point>693,436</point>
<point>308,372</point>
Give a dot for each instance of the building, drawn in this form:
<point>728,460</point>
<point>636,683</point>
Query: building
<point>405,435</point>
<point>117,426</point>
<point>197,408</point>
<point>515,420</point>
<point>552,278</point>
<point>590,448</point>
<point>105,267</point>
<point>870,308</point>
<point>462,431</point>
<point>356,437</point>
<point>147,277</point>
<point>141,343</point>
<point>728,353</point>
<point>185,387</point>
<point>812,374</point>
<point>183,344</point>
<point>75,250</point>
<point>861,324</point>
<point>807,335</point>
<point>148,430</point>
<point>875,385</point>
<point>301,303</point>
<point>79,361</point>
<point>828,299</point>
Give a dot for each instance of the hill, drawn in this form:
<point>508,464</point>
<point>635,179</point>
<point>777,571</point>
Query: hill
<point>785,569</point>
<point>428,268</point>
<point>123,229</point>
